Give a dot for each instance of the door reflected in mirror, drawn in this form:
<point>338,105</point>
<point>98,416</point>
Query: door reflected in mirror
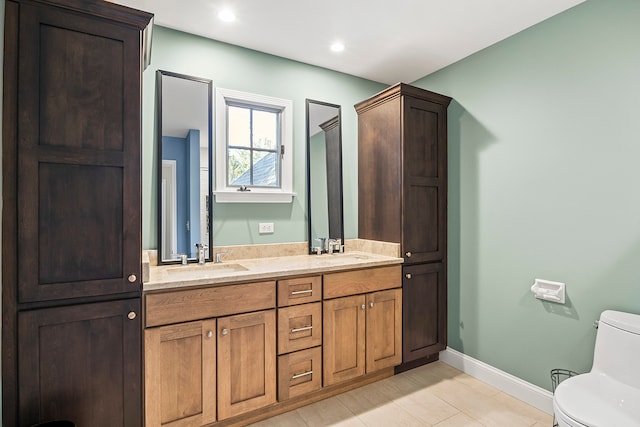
<point>184,178</point>
<point>324,170</point>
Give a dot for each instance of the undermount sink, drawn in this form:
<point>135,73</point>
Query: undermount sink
<point>352,256</point>
<point>207,269</point>
<point>343,257</point>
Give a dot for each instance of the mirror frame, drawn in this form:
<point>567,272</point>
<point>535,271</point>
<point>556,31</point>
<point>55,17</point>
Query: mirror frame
<point>158,128</point>
<point>340,174</point>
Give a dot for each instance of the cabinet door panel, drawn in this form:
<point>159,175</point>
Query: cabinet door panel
<point>344,339</point>
<point>81,363</point>
<point>180,374</point>
<point>78,156</point>
<point>384,329</point>
<point>423,311</point>
<point>246,362</point>
<point>425,181</point>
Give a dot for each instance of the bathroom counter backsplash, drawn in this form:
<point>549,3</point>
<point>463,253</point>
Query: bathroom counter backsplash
<point>262,262</point>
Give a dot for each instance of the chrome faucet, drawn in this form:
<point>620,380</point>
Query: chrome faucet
<point>201,250</point>
<point>323,244</point>
<point>334,245</point>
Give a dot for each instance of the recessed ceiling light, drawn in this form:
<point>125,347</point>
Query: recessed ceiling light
<point>337,47</point>
<point>226,15</point>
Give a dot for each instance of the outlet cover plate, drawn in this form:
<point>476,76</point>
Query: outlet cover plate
<point>265,228</point>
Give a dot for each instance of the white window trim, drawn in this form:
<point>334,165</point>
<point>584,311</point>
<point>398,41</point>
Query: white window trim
<point>225,194</point>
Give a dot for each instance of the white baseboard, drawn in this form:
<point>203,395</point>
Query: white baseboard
<point>514,386</point>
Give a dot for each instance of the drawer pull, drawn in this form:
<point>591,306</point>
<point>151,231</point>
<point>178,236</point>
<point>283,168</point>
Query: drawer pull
<point>304,374</point>
<point>306,291</point>
<point>408,275</point>
<point>305,328</point>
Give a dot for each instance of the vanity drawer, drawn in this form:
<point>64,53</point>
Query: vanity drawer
<point>299,290</point>
<point>194,304</point>
<point>362,281</point>
<point>299,373</point>
<point>299,327</point>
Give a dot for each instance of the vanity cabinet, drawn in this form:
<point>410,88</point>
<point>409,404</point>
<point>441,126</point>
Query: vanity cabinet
<point>72,212</point>
<point>225,361</point>
<point>362,333</point>
<point>402,197</point>
<point>236,353</point>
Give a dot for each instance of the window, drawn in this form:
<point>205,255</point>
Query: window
<point>253,148</point>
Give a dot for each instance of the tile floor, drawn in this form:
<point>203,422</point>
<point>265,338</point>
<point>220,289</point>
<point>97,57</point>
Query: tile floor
<point>431,395</point>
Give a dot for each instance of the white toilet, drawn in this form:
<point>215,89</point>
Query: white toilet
<point>609,395</point>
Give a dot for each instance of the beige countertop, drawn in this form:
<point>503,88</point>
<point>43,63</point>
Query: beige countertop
<point>175,276</point>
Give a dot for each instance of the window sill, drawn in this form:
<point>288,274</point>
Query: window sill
<point>253,196</point>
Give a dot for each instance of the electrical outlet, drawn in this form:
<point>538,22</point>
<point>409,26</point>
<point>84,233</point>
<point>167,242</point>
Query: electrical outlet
<point>265,227</point>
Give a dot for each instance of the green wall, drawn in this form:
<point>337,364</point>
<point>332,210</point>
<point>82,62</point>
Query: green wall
<point>544,153</point>
<point>233,67</point>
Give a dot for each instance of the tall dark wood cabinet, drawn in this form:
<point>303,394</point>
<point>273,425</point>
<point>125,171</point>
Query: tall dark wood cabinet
<point>71,250</point>
<point>402,198</point>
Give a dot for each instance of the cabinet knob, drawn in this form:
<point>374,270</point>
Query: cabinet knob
<point>371,304</point>
<point>408,275</point>
<point>209,334</point>
<point>132,278</point>
<point>408,254</point>
<point>364,306</point>
<point>224,331</point>
<point>131,315</point>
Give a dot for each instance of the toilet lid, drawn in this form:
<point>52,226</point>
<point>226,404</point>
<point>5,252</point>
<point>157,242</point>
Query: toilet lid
<point>626,321</point>
<point>597,400</point>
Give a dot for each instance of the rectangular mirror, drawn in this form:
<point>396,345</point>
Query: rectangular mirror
<point>324,174</point>
<point>184,138</point>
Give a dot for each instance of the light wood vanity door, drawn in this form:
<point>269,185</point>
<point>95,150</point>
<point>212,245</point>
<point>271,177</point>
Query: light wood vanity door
<point>344,339</point>
<point>180,374</point>
<point>299,373</point>
<point>384,329</point>
<point>246,362</point>
<point>299,290</point>
<point>299,327</point>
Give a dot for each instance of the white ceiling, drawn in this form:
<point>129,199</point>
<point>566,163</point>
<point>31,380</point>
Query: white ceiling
<point>386,40</point>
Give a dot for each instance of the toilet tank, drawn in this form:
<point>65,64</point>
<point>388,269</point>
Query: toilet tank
<point>617,351</point>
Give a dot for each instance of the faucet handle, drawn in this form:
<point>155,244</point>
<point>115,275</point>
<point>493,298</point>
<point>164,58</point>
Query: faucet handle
<point>200,252</point>
<point>219,256</point>
<point>323,242</point>
<point>335,245</point>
